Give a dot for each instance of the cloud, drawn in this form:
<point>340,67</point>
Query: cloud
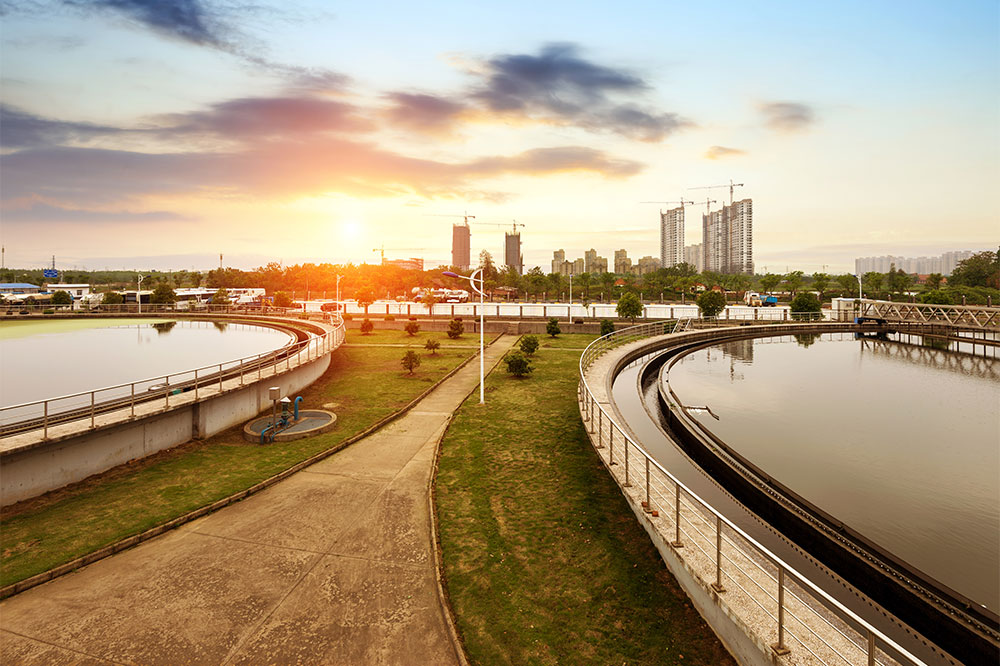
<point>258,117</point>
<point>423,112</point>
<point>186,20</point>
<point>41,212</point>
<point>720,152</point>
<point>787,116</point>
<point>19,129</point>
<point>557,160</point>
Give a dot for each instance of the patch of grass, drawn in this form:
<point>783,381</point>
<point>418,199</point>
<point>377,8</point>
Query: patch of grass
<point>365,383</point>
<point>544,561</point>
<point>567,341</point>
<point>384,337</point>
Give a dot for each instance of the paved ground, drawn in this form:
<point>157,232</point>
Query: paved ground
<point>333,565</point>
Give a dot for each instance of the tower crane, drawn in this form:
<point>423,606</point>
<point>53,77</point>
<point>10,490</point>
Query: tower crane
<point>516,224</point>
<point>731,187</point>
<point>681,202</point>
<point>465,216</point>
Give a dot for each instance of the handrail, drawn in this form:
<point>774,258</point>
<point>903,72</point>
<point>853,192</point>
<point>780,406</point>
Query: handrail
<point>321,343</point>
<point>868,636</point>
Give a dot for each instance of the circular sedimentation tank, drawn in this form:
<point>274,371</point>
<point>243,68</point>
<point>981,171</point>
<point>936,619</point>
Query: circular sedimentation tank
<point>311,422</point>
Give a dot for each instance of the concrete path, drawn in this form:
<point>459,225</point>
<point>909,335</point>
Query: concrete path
<point>334,565</point>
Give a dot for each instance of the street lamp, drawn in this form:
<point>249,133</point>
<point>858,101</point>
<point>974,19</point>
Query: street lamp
<point>138,290</point>
<point>860,295</point>
<point>482,362</point>
<point>338,295</point>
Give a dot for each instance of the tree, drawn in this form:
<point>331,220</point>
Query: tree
<point>980,270</point>
<point>768,282</point>
<point>740,282</point>
<point>794,280</point>
<point>282,300</point>
<point>937,297</point>
<point>112,298</point>
<point>411,328</point>
<point>367,326</point>
<point>897,281</point>
<point>629,306</point>
<point>410,361</point>
<point>846,283</point>
<point>805,305</point>
<point>517,364</point>
<point>934,281</point>
<point>711,303</point>
<point>61,298</point>
<point>220,297</point>
<point>365,296</point>
<point>608,285</point>
<point>529,344</point>
<point>490,271</point>
<point>820,282</point>
<point>585,280</point>
<point>552,328</point>
<point>432,346</point>
<point>872,282</point>
<point>607,326</point>
<point>163,293</point>
<point>455,329</point>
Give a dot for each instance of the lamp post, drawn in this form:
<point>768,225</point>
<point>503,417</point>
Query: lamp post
<point>482,361</point>
<point>860,295</point>
<point>338,295</point>
<point>569,310</point>
<point>138,291</point>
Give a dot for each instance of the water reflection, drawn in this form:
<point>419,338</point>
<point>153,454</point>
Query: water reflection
<point>163,327</point>
<point>898,425</point>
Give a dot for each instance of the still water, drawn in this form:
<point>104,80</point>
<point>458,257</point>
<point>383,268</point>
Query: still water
<point>40,360</point>
<point>899,441</point>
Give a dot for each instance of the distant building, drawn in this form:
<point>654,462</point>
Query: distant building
<point>622,263</point>
<point>727,239</point>
<point>512,252</point>
<point>647,265</point>
<point>411,264</point>
<point>593,263</point>
<point>77,291</point>
<point>460,254</point>
<point>558,259</point>
<point>17,288</point>
<point>578,267</point>
<point>672,237</point>
<point>693,256</point>
<point>944,264</point>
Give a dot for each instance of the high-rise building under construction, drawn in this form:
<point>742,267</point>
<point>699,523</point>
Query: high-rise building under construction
<point>727,238</point>
<point>460,256</point>
<point>512,252</point>
<point>672,237</point>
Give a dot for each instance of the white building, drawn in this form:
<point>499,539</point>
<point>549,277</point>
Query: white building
<point>671,237</point>
<point>727,239</point>
<point>77,291</point>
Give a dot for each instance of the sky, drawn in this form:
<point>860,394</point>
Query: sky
<point>157,134</point>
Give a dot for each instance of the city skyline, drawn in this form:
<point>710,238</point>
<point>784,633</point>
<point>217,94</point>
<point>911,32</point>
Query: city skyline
<point>289,133</point>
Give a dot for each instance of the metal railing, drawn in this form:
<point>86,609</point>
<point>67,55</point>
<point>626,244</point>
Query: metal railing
<point>972,316</point>
<point>89,405</point>
<point>758,585</point>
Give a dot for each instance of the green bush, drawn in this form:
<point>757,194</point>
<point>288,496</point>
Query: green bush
<point>517,364</point>
<point>629,306</point>
<point>552,328</point>
<point>112,298</point>
<point>412,328</point>
<point>410,361</point>
<point>607,326</point>
<point>711,303</point>
<point>432,346</point>
<point>529,344</point>
<point>455,329</point>
<point>61,298</point>
<point>367,326</point>
<point>48,311</point>
<point>806,305</point>
<point>389,317</point>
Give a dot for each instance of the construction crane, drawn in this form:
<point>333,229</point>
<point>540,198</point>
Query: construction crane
<point>708,205</point>
<point>381,250</point>
<point>731,187</point>
<point>465,216</point>
<point>681,202</point>
<point>516,224</point>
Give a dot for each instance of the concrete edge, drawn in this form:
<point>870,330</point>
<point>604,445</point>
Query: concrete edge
<point>448,610</point>
<point>135,539</point>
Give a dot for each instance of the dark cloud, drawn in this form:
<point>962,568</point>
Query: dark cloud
<point>787,116</point>
<point>558,86</point>
<point>186,20</point>
<point>41,212</point>
<point>19,129</point>
<point>258,117</point>
<point>562,159</point>
<point>422,112</point>
<point>720,152</point>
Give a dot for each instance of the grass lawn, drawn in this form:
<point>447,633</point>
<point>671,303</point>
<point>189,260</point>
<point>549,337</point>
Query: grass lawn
<point>384,337</point>
<point>544,561</point>
<point>365,383</point>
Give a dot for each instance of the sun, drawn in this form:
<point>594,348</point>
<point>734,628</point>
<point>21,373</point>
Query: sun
<point>351,228</point>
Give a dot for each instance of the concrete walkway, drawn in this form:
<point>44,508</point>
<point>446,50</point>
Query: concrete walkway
<point>333,565</point>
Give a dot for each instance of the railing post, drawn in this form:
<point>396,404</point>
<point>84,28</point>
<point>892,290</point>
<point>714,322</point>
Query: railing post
<point>220,378</point>
<point>132,400</point>
<point>92,401</point>
<point>780,648</point>
<point>625,444</point>
<point>45,420</point>
<point>600,425</point>
<point>196,383</point>
<point>871,648</point>
<point>717,585</point>
<point>258,367</point>
<point>241,372</point>
<point>648,506</point>
<point>677,543</point>
<point>611,444</point>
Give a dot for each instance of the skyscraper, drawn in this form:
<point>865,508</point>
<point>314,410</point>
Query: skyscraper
<point>512,252</point>
<point>671,237</point>
<point>460,256</point>
<point>727,239</point>
<point>558,257</point>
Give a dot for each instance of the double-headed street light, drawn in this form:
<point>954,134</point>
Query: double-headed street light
<point>482,362</point>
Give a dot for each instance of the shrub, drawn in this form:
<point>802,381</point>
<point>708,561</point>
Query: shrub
<point>455,329</point>
<point>48,311</point>
<point>367,326</point>
<point>389,317</point>
<point>432,346</point>
<point>112,298</point>
<point>578,320</point>
<point>937,297</point>
<point>282,300</point>
<point>410,361</point>
<point>61,298</point>
<point>711,303</point>
<point>517,364</point>
<point>552,328</point>
<point>607,326</point>
<point>529,344</point>
<point>412,328</point>
<point>806,305</point>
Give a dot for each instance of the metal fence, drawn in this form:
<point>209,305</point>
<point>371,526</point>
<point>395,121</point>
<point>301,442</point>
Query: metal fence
<point>785,609</point>
<point>88,405</point>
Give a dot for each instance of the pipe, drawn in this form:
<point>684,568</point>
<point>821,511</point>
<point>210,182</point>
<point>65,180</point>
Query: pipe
<point>297,401</point>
